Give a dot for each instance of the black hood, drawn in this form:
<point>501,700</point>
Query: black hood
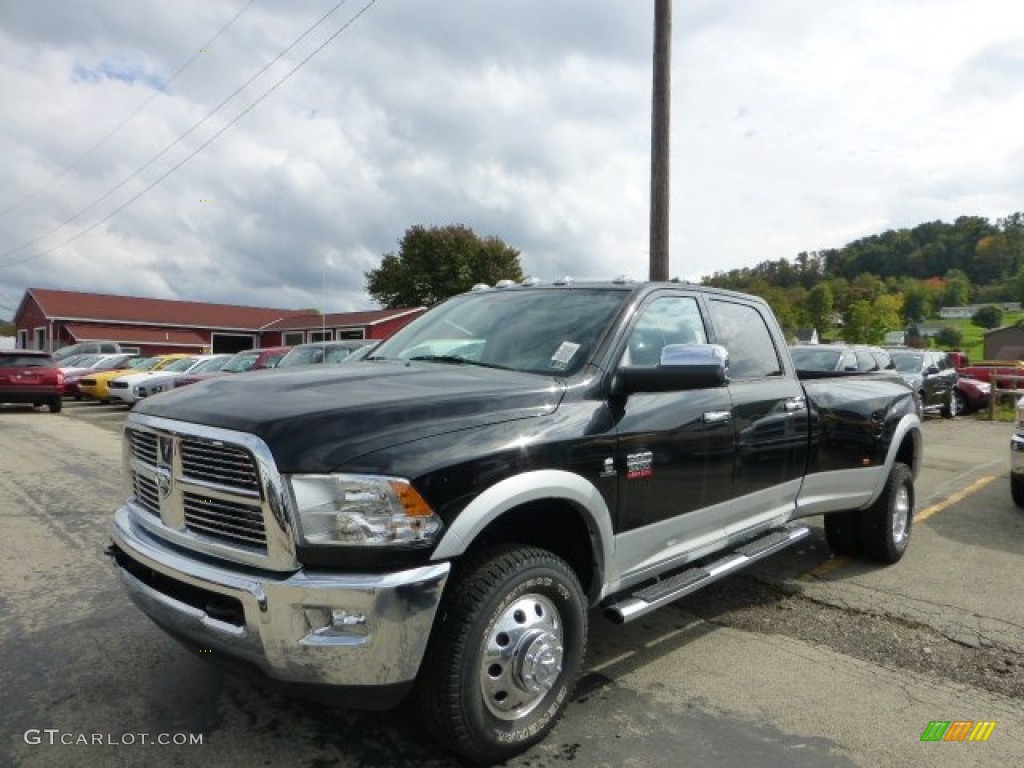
<point>320,418</point>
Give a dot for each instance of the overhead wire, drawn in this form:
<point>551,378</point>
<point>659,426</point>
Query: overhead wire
<point>110,134</point>
<point>183,136</point>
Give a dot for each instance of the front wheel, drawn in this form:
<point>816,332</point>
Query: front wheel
<point>952,406</point>
<point>55,404</point>
<point>1017,489</point>
<point>962,406</point>
<point>506,651</point>
<point>885,525</point>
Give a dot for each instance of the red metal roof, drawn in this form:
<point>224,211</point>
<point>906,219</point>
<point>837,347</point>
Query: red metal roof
<point>98,307</point>
<point>312,322</point>
<point>127,334</point>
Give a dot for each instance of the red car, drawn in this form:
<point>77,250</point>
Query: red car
<point>31,376</point>
<point>246,360</point>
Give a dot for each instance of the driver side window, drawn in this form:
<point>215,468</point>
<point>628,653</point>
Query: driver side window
<point>666,320</point>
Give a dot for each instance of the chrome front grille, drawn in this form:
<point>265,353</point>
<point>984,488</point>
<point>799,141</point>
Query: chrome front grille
<point>225,520</point>
<point>143,445</point>
<point>226,465</point>
<point>209,489</point>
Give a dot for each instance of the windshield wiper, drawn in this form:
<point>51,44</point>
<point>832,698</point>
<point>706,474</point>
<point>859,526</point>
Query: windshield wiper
<point>456,360</point>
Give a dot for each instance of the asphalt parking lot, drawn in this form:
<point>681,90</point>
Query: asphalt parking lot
<point>809,660</point>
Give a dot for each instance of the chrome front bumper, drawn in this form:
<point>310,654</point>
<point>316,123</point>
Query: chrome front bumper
<point>337,629</point>
<point>1017,453</point>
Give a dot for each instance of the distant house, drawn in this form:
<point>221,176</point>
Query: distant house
<point>807,336</point>
<point>967,312</point>
<point>50,319</point>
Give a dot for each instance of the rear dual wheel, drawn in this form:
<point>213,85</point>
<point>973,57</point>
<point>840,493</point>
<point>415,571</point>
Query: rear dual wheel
<point>881,531</point>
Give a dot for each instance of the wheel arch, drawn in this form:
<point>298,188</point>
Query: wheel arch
<point>556,510</point>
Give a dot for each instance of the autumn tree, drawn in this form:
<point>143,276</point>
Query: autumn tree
<point>434,263</point>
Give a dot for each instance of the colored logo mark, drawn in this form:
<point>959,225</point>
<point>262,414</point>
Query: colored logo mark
<point>958,730</point>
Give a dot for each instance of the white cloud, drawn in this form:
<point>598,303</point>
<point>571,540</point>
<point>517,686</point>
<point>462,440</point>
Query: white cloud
<point>796,126</point>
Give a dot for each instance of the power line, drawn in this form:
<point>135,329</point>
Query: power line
<point>82,157</point>
<point>109,193</point>
<point>202,146</point>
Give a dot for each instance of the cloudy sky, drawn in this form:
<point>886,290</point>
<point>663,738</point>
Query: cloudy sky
<point>240,152</point>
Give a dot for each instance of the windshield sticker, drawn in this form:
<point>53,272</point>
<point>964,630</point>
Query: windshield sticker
<point>563,355</point>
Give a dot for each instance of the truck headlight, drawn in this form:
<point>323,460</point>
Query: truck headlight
<point>362,510</point>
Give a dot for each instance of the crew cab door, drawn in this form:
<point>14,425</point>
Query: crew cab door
<point>769,414</point>
<point>674,449</point>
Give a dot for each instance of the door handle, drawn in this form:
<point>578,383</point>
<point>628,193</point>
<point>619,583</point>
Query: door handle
<point>717,417</point>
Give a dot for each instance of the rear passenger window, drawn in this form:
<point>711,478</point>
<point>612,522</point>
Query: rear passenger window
<point>865,362</point>
<point>741,329</point>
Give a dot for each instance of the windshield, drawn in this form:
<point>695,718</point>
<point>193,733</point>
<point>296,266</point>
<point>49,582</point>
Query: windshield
<point>815,359</point>
<point>552,332</point>
<point>907,363</point>
<point>213,364</point>
<point>242,361</point>
<point>182,364</point>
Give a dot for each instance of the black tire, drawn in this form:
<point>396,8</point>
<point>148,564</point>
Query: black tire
<point>842,532</point>
<point>510,616</point>
<point>962,406</point>
<point>55,404</point>
<point>1017,489</point>
<point>885,525</point>
<point>950,409</point>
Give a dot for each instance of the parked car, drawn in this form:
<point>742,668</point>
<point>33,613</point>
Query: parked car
<point>971,394</point>
<point>246,360</point>
<point>932,375</point>
<point>31,376</point>
<point>164,380</point>
<point>126,386</point>
<point>1017,457</point>
<point>124,361</point>
<point>97,385</point>
<point>98,347</point>
<point>840,358</point>
<point>321,352</point>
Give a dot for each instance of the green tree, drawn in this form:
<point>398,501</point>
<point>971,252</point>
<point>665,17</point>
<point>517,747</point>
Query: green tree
<point>988,317</point>
<point>949,337</point>
<point>819,307</point>
<point>434,263</point>
<point>868,321</point>
<point>958,289</point>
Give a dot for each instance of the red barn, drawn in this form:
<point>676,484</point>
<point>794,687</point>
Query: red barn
<point>50,319</point>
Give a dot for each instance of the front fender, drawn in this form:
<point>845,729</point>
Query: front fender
<point>537,485</point>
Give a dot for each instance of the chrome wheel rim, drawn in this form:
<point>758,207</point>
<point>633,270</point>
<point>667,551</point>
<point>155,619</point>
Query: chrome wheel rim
<point>901,515</point>
<point>522,657</point>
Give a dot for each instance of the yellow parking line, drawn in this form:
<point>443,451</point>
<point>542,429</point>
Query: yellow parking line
<point>977,485</point>
<point>840,560</point>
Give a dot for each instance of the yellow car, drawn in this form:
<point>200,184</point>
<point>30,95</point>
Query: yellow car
<point>97,385</point>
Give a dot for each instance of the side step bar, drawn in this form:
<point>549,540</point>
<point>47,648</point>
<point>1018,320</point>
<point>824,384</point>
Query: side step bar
<point>683,583</point>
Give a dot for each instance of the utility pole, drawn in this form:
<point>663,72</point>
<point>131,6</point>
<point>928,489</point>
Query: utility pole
<point>660,119</point>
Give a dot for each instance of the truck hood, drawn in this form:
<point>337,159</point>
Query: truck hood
<point>320,418</point>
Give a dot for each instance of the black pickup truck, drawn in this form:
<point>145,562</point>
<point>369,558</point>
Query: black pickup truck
<point>441,518</point>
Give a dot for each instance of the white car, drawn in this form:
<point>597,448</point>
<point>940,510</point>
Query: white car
<point>128,388</point>
<point>162,381</point>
